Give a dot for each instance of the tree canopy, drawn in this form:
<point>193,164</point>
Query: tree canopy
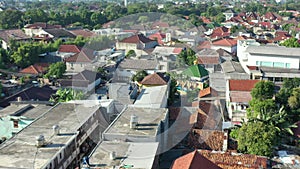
<point>139,76</point>
<point>56,70</point>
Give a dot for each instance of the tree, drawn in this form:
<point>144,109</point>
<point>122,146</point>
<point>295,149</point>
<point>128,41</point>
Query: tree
<point>130,53</point>
<point>3,57</point>
<point>188,56</point>
<point>139,76</point>
<point>10,19</point>
<point>263,90</point>
<point>98,18</point>
<point>220,18</point>
<point>65,95</point>
<point>56,70</point>
<point>257,138</point>
<point>291,42</point>
<point>26,54</point>
<point>259,108</point>
<point>294,99</point>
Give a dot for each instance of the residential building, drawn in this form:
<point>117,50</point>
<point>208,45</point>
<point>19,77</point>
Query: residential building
<point>238,95</point>
<point>125,154</point>
<point>65,51</point>
<point>17,116</point>
<point>129,67</point>
<point>156,79</point>
<point>227,44</point>
<point>85,81</point>
<point>79,61</point>
<point>12,34</point>
<point>274,62</point>
<point>229,14</point>
<point>193,160</point>
<point>35,69</point>
<point>138,43</point>
<point>35,28</point>
<point>199,159</point>
<point>139,124</point>
<point>209,59</point>
<point>196,72</point>
<point>56,139</point>
<point>33,93</point>
<point>155,97</point>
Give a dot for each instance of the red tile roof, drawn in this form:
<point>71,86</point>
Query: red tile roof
<point>86,55</point>
<point>82,32</point>
<point>208,116</point>
<point>69,48</point>
<point>225,42</point>
<point>207,60</point>
<point>177,50</point>
<point>206,139</point>
<point>136,39</point>
<point>158,37</point>
<point>35,69</point>
<point>13,34</point>
<point>156,79</point>
<point>229,160</point>
<point>240,96</point>
<point>193,160</point>
<point>242,85</point>
<point>208,92</point>
<point>42,25</point>
<point>204,45</point>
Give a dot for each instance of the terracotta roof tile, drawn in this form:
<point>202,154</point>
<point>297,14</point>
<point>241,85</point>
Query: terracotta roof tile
<point>208,116</point>
<point>205,60</point>
<point>209,91</point>
<point>69,48</point>
<point>156,79</point>
<point>225,42</point>
<point>228,160</point>
<point>204,45</point>
<point>242,85</point>
<point>206,139</point>
<point>136,39</point>
<point>83,33</point>
<point>42,25</point>
<point>193,160</point>
<point>86,55</point>
<point>240,96</point>
<point>158,37</point>
<point>15,34</point>
<point>37,68</point>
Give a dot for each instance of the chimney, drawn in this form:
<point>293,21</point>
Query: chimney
<point>55,130</point>
<point>112,155</point>
<point>133,121</point>
<point>40,140</point>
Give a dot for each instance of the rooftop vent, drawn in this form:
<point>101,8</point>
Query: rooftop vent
<point>40,141</point>
<point>112,155</point>
<point>133,121</point>
<point>55,129</point>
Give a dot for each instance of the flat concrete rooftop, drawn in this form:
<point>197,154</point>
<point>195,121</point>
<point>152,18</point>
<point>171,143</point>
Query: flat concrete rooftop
<point>21,152</point>
<point>140,155</point>
<point>148,121</point>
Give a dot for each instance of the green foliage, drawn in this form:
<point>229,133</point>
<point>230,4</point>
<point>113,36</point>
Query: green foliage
<point>139,76</point>
<point>260,108</point>
<point>220,18</point>
<point>10,19</point>
<point>192,95</point>
<point>263,90</point>
<point>292,43</point>
<point>234,133</point>
<point>56,70</point>
<point>27,54</point>
<point>3,58</point>
<point>257,138</point>
<point>186,57</point>
<point>294,99</point>
<point>65,95</point>
<point>130,53</point>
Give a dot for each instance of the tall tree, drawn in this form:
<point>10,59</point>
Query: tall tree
<point>56,70</point>
<point>257,138</point>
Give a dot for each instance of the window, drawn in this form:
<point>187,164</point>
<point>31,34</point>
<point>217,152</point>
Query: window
<point>267,64</point>
<point>278,64</point>
<point>232,107</point>
<point>287,65</point>
<point>257,63</point>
